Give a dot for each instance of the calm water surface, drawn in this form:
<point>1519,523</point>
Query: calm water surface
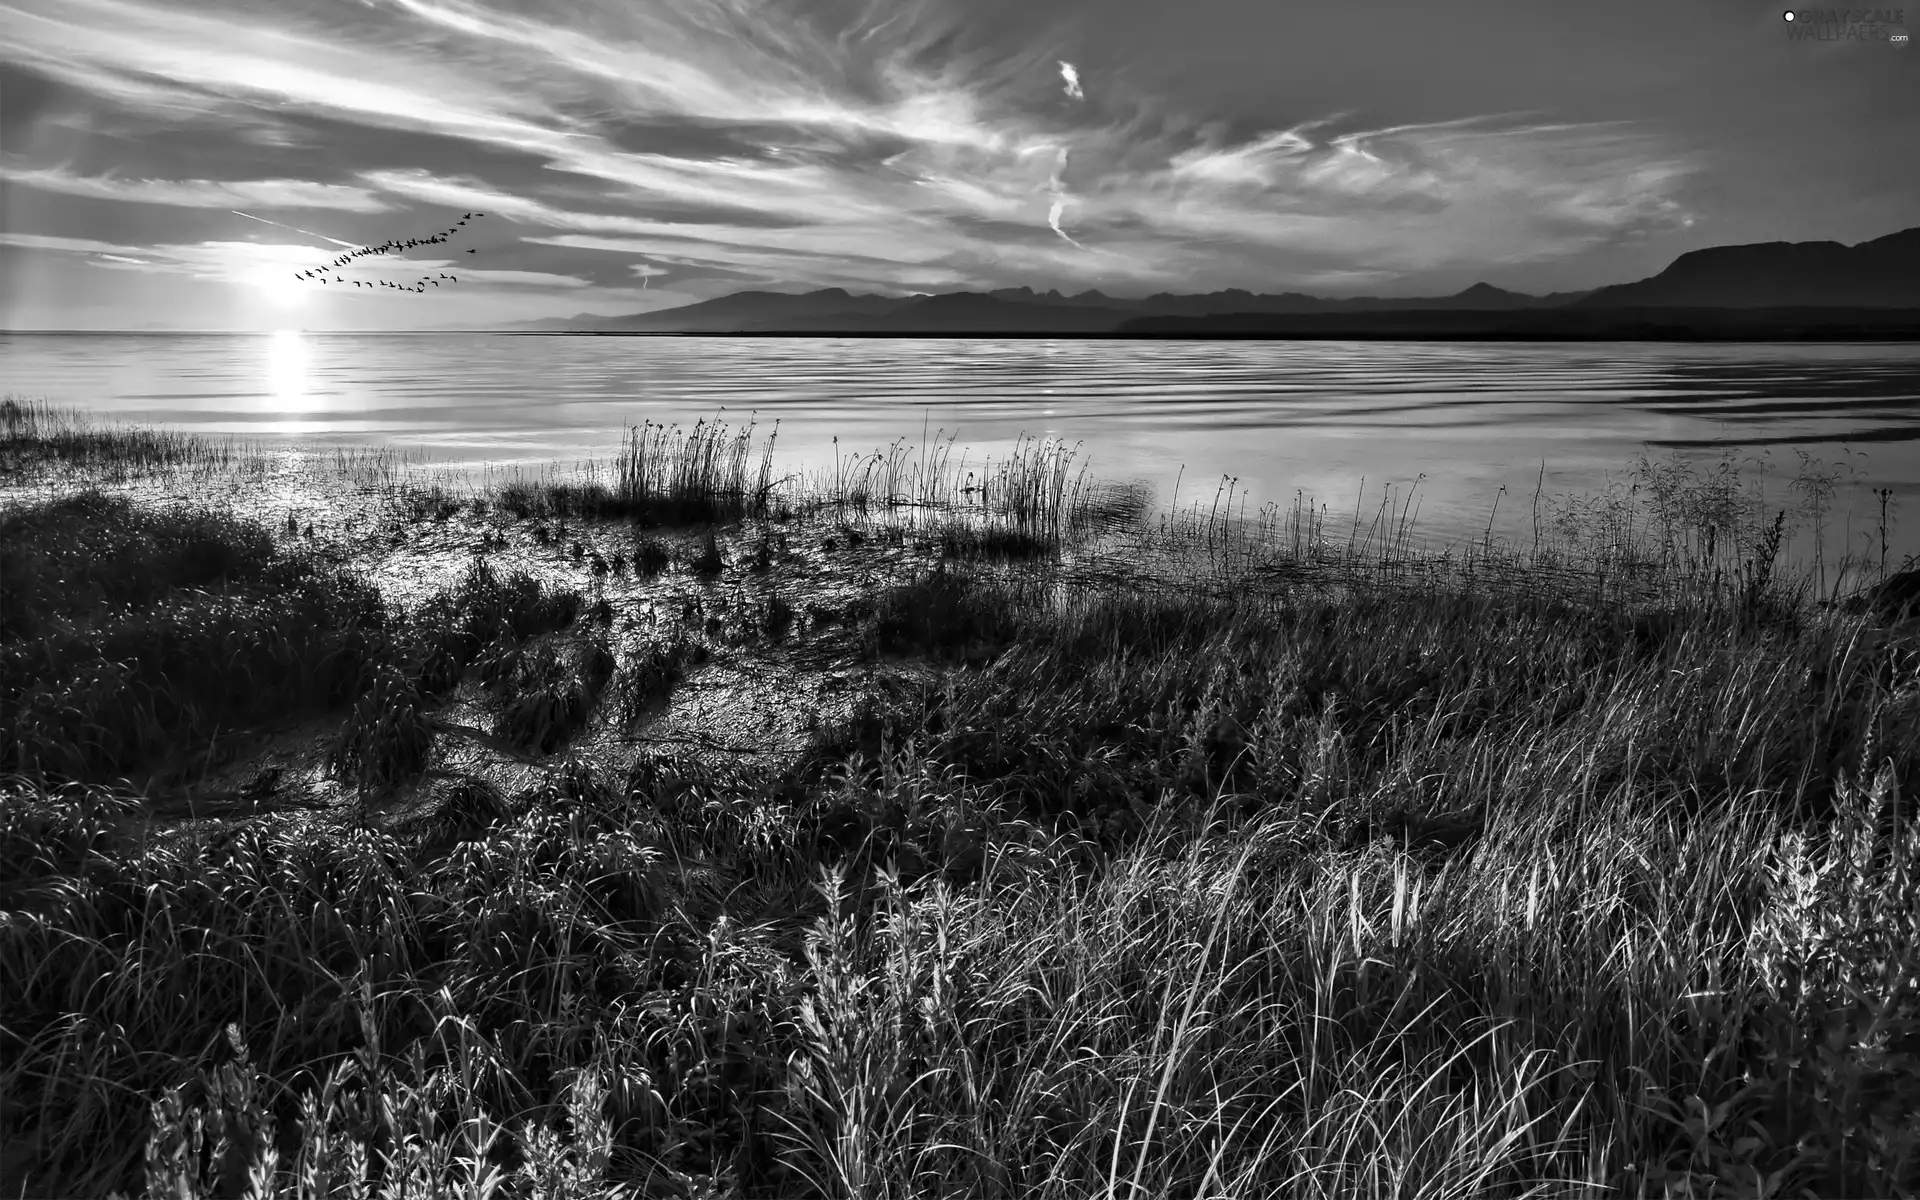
<point>1453,422</point>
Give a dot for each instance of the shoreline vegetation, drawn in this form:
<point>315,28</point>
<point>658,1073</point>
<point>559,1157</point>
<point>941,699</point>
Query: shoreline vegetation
<point>671,827</point>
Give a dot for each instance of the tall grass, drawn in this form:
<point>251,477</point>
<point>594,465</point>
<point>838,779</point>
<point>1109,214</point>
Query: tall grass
<point>36,434</point>
<point>1326,870</point>
<point>1413,895</point>
<point>1400,896</point>
<point>706,473</point>
<point>1032,502</point>
<point>1133,914</point>
<point>663,475</point>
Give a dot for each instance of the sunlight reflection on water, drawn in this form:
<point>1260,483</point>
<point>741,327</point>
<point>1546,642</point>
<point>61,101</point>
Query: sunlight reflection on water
<point>288,364</point>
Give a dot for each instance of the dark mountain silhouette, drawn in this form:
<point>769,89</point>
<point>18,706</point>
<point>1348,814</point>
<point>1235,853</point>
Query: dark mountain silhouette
<point>1569,323</point>
<point>1054,299</point>
<point>1777,289</point>
<point>1234,300</point>
<point>748,310</point>
<point>971,312</point>
<point>1883,273</point>
<point>1008,310</point>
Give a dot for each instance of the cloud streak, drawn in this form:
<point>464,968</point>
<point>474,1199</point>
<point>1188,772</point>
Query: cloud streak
<point>323,237</point>
<point>1058,187</point>
<point>198,193</point>
<point>774,147</point>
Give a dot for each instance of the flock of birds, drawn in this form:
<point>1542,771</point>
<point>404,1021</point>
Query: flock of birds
<point>396,246</point>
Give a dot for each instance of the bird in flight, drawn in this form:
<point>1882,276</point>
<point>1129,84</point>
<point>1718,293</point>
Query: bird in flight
<point>390,246</point>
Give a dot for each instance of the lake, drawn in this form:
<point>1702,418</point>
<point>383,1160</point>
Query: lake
<point>1316,420</point>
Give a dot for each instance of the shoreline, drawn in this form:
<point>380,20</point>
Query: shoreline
<point>1757,326</point>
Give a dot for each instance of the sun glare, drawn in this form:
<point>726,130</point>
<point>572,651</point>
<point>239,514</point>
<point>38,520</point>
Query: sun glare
<point>286,371</point>
<point>281,290</point>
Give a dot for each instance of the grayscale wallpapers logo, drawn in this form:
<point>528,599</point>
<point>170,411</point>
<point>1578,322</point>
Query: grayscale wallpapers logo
<point>1847,25</point>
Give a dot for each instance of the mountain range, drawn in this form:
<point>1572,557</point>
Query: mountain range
<point>1775,288</point>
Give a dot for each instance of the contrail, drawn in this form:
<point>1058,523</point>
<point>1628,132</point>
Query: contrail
<point>310,233</point>
<point>1072,76</point>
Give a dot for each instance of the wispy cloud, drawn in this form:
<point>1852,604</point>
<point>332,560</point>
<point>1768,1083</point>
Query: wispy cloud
<point>1057,185</point>
<point>198,193</point>
<point>209,261</point>
<point>765,142</point>
<point>42,241</point>
<point>1072,78</point>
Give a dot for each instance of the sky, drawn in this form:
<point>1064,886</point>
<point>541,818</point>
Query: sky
<point>176,163</point>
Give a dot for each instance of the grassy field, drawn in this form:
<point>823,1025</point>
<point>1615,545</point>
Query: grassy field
<point>679,830</point>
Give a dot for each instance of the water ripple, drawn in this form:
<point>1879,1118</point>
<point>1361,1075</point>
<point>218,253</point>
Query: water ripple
<point>1311,417</point>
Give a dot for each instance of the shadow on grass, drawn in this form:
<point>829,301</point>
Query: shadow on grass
<point>949,614</point>
<point>132,636</point>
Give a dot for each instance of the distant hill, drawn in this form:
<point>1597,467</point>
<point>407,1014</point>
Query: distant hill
<point>1800,279</point>
<point>745,311</point>
<point>1883,273</point>
<point>972,312</point>
<point>1571,323</point>
<point>1006,310</point>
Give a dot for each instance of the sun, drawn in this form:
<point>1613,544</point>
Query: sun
<point>272,280</point>
<point>281,290</point>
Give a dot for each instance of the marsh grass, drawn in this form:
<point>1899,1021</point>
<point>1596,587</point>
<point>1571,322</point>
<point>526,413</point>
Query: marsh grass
<point>1031,502</point>
<point>386,739</point>
<point>650,555</point>
<point>465,808</point>
<point>960,540</point>
<point>1315,869</point>
<point>35,434</point>
<point>663,475</point>
<point>705,559</point>
<point>549,691</point>
<point>1671,530</point>
<point>131,635</point>
<point>651,671</point>
<point>946,613</point>
<point>433,502</point>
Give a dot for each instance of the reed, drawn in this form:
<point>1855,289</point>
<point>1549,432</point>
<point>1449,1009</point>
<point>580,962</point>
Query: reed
<point>663,475</point>
<point>1032,501</point>
<point>36,435</point>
